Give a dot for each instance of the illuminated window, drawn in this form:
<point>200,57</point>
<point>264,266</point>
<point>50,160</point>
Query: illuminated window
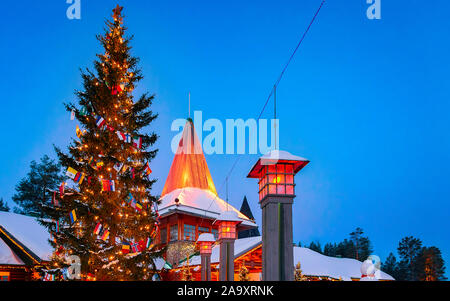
<point>174,233</point>
<point>202,230</point>
<point>163,235</point>
<point>4,276</point>
<point>189,232</point>
<point>215,233</point>
<point>227,229</point>
<point>276,179</point>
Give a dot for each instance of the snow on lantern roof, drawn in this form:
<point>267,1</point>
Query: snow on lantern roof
<point>7,256</point>
<point>199,202</point>
<point>206,237</point>
<point>312,263</point>
<point>274,157</point>
<point>189,168</point>
<point>28,232</point>
<point>228,216</point>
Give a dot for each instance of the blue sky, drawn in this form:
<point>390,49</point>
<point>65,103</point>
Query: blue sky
<point>367,101</point>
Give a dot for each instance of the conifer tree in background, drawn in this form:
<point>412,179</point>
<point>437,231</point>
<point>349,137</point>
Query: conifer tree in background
<point>430,265</point>
<point>4,206</point>
<point>315,246</point>
<point>409,249</point>
<point>104,213</point>
<point>362,245</point>
<point>35,190</point>
<point>390,266</point>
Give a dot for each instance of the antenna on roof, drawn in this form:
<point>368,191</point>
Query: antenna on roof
<point>189,104</point>
<point>275,113</point>
<point>226,179</point>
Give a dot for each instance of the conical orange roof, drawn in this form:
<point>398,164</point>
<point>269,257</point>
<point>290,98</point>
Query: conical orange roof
<point>189,168</point>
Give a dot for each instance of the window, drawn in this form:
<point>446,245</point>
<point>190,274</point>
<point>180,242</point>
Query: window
<point>202,230</point>
<point>215,233</point>
<point>276,179</point>
<point>4,276</point>
<point>174,233</point>
<point>163,236</point>
<point>189,232</point>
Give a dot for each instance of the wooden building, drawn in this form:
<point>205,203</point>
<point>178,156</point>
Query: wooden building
<point>23,247</point>
<point>189,206</point>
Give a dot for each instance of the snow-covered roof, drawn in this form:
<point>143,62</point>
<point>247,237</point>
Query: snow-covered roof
<point>7,256</point>
<point>199,202</point>
<point>206,237</point>
<point>274,157</point>
<point>228,216</point>
<point>281,155</point>
<point>28,232</point>
<point>316,264</point>
<point>312,263</point>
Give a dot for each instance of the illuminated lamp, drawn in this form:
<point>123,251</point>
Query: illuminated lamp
<point>275,172</point>
<point>227,223</point>
<point>205,242</point>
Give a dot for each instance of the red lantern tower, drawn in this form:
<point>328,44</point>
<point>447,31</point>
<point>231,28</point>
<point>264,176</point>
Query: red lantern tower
<point>276,172</point>
<point>205,242</point>
<point>227,223</point>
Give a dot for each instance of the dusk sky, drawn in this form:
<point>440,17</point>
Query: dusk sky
<point>366,101</point>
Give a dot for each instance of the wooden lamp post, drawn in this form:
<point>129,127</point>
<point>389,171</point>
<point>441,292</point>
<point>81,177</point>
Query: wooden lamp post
<point>227,223</point>
<point>276,172</point>
<point>205,242</point>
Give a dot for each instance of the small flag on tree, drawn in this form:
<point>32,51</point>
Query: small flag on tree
<point>148,242</point>
<point>121,135</point>
<point>137,142</point>
<point>125,248</point>
<point>105,235</point>
<point>135,248</point>
<point>79,178</point>
<point>61,190</point>
<point>130,198</point>
<point>79,132</point>
<point>118,166</point>
<point>100,121</point>
<point>108,185</point>
<point>71,173</point>
<point>73,216</point>
<point>98,229</point>
<point>72,115</point>
<point>147,169</point>
<point>136,205</point>
<point>83,111</point>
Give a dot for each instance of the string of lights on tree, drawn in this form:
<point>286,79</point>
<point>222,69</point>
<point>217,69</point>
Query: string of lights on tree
<point>107,216</point>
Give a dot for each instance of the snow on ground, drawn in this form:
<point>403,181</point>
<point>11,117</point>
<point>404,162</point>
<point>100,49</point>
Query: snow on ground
<point>29,232</point>
<point>312,263</point>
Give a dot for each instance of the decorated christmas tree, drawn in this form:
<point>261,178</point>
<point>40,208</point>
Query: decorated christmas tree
<point>298,274</point>
<point>187,274</point>
<point>243,273</point>
<point>104,212</point>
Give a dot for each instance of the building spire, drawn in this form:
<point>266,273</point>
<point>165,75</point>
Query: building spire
<point>189,167</point>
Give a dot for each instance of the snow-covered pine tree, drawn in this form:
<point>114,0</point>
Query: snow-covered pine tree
<point>105,213</point>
